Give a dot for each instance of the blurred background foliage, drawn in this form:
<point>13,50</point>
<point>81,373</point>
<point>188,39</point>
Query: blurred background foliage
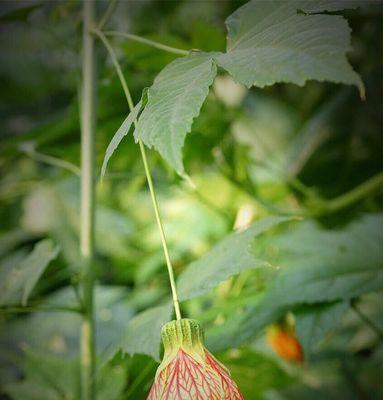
<point>251,153</point>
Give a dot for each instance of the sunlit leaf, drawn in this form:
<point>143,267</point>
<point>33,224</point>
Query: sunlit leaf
<point>229,257</point>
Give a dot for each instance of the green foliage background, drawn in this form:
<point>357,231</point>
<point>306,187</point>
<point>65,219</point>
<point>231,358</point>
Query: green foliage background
<point>282,150</point>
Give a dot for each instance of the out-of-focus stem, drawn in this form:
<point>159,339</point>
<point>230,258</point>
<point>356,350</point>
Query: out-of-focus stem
<point>88,118</point>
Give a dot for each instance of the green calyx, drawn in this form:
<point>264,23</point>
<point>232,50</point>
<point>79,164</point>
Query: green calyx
<point>184,334</point>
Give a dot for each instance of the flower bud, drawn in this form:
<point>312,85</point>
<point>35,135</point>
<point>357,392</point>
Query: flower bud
<point>188,371</point>
<point>284,342</point>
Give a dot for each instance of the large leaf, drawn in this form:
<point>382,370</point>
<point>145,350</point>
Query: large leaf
<point>174,100</point>
<point>16,284</point>
<point>327,265</point>
<point>270,41</point>
<point>55,378</point>
<point>142,335</point>
<point>316,265</point>
<point>229,257</point>
<point>313,322</point>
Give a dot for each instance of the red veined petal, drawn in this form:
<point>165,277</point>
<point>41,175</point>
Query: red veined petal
<point>230,388</point>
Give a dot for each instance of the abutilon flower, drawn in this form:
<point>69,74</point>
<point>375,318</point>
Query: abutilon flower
<point>188,371</point>
<point>285,343</point>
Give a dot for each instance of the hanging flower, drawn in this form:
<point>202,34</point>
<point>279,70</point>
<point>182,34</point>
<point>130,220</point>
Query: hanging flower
<point>284,342</point>
<point>188,371</point>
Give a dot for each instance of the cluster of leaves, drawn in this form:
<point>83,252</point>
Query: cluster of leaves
<point>276,152</point>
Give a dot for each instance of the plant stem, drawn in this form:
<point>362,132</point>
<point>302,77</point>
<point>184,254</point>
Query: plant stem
<point>162,233</point>
<point>88,117</point>
<point>50,160</point>
<point>147,173</point>
<point>149,42</point>
<point>353,195</point>
<point>108,13</point>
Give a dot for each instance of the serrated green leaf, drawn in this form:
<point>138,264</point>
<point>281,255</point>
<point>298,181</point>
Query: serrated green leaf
<point>55,378</point>
<point>17,283</point>
<point>142,335</point>
<point>316,265</point>
<point>119,135</point>
<point>326,265</point>
<point>174,100</point>
<point>313,322</point>
<point>270,41</point>
<point>229,257</point>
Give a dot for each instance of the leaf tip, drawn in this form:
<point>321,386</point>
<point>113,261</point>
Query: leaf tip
<point>188,180</point>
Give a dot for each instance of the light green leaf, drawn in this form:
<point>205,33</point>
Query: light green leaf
<point>142,335</point>
<point>16,284</point>
<point>119,135</point>
<point>313,322</point>
<point>174,100</point>
<point>270,41</point>
<point>229,257</point>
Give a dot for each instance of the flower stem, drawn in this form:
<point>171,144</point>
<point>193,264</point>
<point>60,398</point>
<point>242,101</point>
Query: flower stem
<point>88,117</point>
<point>147,173</point>
<point>162,233</point>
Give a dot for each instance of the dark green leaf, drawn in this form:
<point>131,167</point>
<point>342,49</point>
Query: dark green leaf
<point>19,13</point>
<point>119,135</point>
<point>313,322</point>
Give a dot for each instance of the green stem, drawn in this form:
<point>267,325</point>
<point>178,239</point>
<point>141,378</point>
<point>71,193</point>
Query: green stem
<point>162,233</point>
<point>50,160</point>
<point>147,173</point>
<point>353,195</point>
<point>149,42</point>
<point>108,13</point>
<point>88,117</point>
